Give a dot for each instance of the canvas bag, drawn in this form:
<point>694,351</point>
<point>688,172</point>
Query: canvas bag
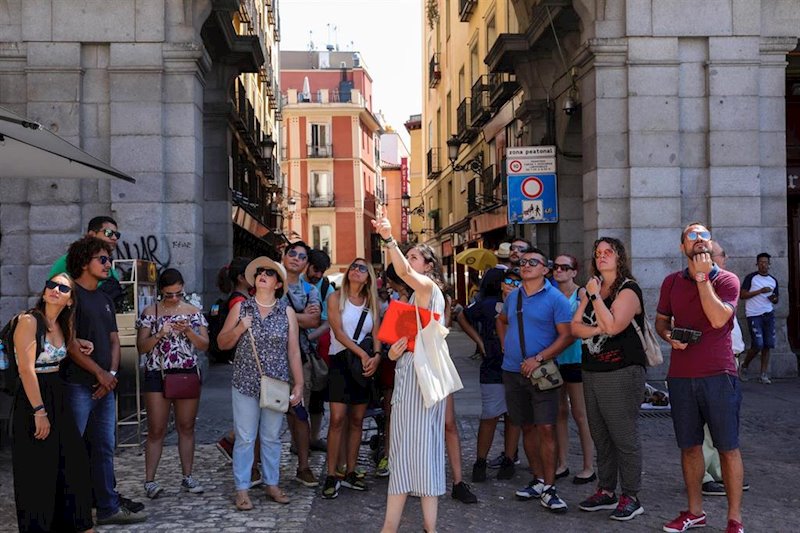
<point>547,375</point>
<point>273,393</point>
<point>652,348</point>
<point>319,368</point>
<point>436,374</point>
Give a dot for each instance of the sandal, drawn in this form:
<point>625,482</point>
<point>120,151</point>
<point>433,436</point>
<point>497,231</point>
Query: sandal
<point>277,495</point>
<point>242,501</point>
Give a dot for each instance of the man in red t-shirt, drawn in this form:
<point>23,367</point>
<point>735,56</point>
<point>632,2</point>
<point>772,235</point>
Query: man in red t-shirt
<point>703,380</point>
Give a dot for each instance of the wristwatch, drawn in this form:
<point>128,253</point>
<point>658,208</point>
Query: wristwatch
<point>113,373</point>
<point>592,297</point>
<point>538,359</point>
<point>700,277</point>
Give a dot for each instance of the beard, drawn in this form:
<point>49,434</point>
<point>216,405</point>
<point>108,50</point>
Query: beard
<point>704,248</point>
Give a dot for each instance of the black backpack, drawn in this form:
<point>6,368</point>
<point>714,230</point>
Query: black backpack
<point>9,376</point>
<point>216,319</point>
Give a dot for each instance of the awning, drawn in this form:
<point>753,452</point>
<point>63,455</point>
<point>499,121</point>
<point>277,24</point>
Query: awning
<point>27,150</point>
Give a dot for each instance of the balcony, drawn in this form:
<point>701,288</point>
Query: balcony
<point>472,195</point>
<point>506,47</point>
<point>489,184</point>
<point>481,110</point>
<point>320,151</point>
<point>465,9</point>
<point>433,165</point>
<point>464,131</point>
<point>502,87</point>
<point>243,117</point>
<point>321,200</point>
<point>434,73</point>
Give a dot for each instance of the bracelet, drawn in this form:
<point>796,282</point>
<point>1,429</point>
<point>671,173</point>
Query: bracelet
<point>38,407</point>
<point>388,239</point>
<point>40,414</point>
<point>390,244</point>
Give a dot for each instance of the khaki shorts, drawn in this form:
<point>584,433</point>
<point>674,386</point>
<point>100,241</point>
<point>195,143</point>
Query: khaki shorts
<point>306,383</point>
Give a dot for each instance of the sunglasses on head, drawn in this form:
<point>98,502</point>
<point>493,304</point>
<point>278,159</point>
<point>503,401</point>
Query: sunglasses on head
<point>513,282</point>
<point>694,235</point>
<point>171,295</point>
<point>294,253</point>
<point>63,289</point>
<point>103,259</point>
<point>532,262</point>
<point>565,268</point>
<point>608,252</point>
<point>109,233</point>
<point>271,272</point>
<point>361,268</point>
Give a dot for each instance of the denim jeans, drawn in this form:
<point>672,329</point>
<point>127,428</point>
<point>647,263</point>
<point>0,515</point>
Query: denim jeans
<point>249,421</point>
<point>97,420</point>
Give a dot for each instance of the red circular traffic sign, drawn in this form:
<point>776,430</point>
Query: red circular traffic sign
<point>515,166</point>
<point>532,187</point>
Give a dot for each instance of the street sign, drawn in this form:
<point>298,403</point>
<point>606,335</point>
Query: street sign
<point>532,199</point>
<point>532,194</point>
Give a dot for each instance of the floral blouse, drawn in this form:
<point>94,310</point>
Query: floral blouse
<point>177,350</point>
<point>271,334</point>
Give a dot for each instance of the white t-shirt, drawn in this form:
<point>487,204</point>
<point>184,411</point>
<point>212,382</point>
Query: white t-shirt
<point>350,317</point>
<point>759,304</point>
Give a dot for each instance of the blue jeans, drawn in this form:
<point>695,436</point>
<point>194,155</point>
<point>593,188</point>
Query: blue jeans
<point>97,421</point>
<point>762,331</point>
<point>249,421</point>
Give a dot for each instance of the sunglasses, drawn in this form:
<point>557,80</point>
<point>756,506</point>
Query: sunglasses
<point>532,262</point>
<point>52,285</point>
<point>111,233</point>
<point>271,272</point>
<point>172,295</point>
<point>300,255</point>
<point>518,248</point>
<point>103,259</point>
<point>608,252</point>
<point>512,282</point>
<point>565,268</point>
<point>361,268</point>
<point>694,235</point>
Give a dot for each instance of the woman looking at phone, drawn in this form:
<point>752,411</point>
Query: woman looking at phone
<point>613,372</point>
<point>169,333</point>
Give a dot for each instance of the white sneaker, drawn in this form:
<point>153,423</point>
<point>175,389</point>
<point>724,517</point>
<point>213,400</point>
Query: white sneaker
<point>764,379</point>
<point>152,489</point>
<point>190,484</point>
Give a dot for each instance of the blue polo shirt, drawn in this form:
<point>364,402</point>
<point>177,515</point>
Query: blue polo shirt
<point>541,312</point>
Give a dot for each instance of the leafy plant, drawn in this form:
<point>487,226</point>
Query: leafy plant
<point>432,12</point>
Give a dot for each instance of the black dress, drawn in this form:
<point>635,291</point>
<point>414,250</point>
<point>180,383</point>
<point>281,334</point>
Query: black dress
<point>52,485</point>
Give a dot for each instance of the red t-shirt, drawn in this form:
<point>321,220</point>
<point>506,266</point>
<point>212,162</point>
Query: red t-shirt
<point>679,299</point>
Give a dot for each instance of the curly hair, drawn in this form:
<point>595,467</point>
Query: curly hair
<point>80,253</point>
<point>623,266</point>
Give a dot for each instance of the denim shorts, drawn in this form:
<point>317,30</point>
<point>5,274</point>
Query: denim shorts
<point>762,330</point>
<point>713,400</point>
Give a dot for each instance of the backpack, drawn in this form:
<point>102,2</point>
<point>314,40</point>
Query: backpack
<point>216,319</point>
<point>9,372</point>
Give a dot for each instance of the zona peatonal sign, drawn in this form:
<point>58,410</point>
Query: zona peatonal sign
<point>532,192</point>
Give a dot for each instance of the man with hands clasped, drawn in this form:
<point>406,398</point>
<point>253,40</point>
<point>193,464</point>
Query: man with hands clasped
<point>703,380</point>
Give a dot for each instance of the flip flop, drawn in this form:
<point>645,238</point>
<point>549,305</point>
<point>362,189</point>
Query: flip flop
<point>242,502</point>
<point>280,497</point>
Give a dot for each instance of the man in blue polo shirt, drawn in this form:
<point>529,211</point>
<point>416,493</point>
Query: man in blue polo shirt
<point>545,315</point>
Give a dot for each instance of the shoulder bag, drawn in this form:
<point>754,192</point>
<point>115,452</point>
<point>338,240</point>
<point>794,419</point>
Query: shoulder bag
<point>437,376</point>
<point>547,375</point>
<point>178,385</point>
<point>650,344</point>
<point>273,393</point>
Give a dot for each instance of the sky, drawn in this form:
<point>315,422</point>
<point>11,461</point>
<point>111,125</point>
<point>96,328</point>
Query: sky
<point>387,33</point>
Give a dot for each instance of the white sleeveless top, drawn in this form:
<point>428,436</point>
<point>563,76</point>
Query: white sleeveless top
<point>350,317</point>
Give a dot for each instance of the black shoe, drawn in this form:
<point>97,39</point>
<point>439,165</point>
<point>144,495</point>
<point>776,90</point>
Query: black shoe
<point>713,488</point>
<point>745,486</point>
<point>130,505</point>
<point>351,481</point>
<point>462,493</point>
<point>627,509</point>
<point>479,471</point>
<point>584,480</point>
<point>563,474</point>
<point>506,470</point>
<point>331,488</point>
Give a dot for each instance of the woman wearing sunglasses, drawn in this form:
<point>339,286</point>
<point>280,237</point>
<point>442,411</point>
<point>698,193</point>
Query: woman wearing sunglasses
<point>170,333</point>
<point>268,322</point>
<point>52,490</point>
<point>565,269</point>
<point>613,371</point>
<point>353,317</point>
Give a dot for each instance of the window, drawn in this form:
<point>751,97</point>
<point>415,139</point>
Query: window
<point>320,190</point>
<point>449,115</point>
<point>321,238</point>
<point>491,32</point>
<point>320,145</point>
<point>461,84</point>
<point>474,64</point>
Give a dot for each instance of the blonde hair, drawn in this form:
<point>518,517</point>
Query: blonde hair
<point>369,291</point>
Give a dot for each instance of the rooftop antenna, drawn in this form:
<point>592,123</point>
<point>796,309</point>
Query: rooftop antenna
<point>336,37</point>
<point>310,41</point>
<point>330,46</point>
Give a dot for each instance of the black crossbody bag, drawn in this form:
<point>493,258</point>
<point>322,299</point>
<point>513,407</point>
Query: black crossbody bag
<point>354,361</point>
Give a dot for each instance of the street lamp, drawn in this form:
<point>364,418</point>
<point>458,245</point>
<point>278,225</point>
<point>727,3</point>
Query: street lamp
<point>405,201</point>
<point>267,148</point>
<point>475,165</point>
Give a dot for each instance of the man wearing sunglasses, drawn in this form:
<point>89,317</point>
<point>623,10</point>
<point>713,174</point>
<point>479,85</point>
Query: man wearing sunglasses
<point>703,379</point>
<point>545,319</point>
<point>91,375</point>
<point>304,299</point>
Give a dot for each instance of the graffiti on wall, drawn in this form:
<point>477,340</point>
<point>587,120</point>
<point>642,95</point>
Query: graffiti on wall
<point>147,248</point>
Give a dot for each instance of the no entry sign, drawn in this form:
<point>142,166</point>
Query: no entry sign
<point>532,192</point>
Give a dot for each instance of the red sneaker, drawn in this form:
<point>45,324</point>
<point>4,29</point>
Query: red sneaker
<point>734,527</point>
<point>685,520</point>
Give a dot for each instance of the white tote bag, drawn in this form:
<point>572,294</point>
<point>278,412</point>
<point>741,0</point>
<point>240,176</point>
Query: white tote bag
<point>436,374</point>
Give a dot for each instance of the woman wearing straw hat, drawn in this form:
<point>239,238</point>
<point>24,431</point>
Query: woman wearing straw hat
<point>273,326</point>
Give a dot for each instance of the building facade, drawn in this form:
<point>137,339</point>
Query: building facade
<point>156,89</point>
<point>416,180</point>
<point>661,113</point>
<point>395,169</point>
<point>331,154</point>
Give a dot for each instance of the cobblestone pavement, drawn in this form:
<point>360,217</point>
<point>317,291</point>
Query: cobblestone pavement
<point>770,436</point>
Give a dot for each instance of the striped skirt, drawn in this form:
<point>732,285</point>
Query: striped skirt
<point>416,453</point>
